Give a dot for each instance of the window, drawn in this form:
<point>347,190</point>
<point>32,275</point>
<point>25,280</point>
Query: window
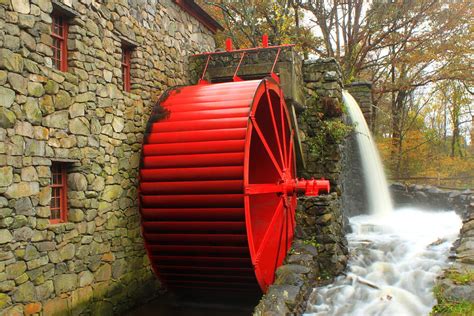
<point>126,58</point>
<point>58,192</point>
<point>59,30</point>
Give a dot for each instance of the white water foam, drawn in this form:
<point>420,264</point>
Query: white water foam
<point>393,265</point>
<point>376,183</point>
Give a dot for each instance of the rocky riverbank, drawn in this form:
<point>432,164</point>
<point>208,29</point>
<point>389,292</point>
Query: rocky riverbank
<point>455,288</point>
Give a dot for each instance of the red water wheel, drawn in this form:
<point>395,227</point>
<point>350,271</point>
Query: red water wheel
<point>218,185</point>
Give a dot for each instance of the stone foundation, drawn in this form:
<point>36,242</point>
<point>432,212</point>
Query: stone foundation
<point>94,262</point>
<point>319,252</point>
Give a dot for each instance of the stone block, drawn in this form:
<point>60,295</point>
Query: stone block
<point>24,293</point>
<point>32,111</point>
<point>7,118</point>
<point>23,206</point>
<point>18,82</point>
<point>57,119</point>
<point>103,273</point>
<point>80,299</point>
<point>77,182</point>
<point>80,126</point>
<point>112,192</point>
<point>5,236</point>
<point>85,278</point>
<point>64,283</point>
<point>7,96</point>
<point>6,176</point>
<point>67,252</point>
<point>11,61</point>
<point>62,100</point>
<point>35,89</point>
<point>22,189</point>
<point>32,308</point>
<point>16,269</point>
<point>56,307</point>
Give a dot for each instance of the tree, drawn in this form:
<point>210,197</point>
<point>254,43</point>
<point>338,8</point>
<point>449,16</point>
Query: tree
<point>246,21</point>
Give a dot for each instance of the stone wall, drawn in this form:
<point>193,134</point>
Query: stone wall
<point>432,198</point>
<point>95,263</point>
<point>318,253</point>
<point>362,93</point>
<point>323,114</point>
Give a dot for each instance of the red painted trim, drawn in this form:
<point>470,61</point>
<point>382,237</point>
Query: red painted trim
<point>61,38</point>
<point>126,64</point>
<point>202,16</point>
<point>63,203</point>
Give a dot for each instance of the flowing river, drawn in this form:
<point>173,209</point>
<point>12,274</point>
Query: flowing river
<point>395,259</point>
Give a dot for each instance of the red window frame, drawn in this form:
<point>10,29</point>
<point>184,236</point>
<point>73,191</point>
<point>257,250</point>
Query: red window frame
<point>59,33</point>
<point>126,63</point>
<point>58,193</point>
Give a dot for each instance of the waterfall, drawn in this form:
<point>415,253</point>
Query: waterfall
<point>376,185</point>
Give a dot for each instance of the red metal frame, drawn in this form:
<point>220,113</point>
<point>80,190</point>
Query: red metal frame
<point>126,64</point>
<point>59,33</point>
<point>59,205</point>
<point>243,52</point>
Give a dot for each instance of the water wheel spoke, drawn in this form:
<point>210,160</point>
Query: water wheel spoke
<point>268,233</point>
<point>265,144</point>
<point>283,122</point>
<point>282,228</point>
<point>264,188</point>
<point>275,128</point>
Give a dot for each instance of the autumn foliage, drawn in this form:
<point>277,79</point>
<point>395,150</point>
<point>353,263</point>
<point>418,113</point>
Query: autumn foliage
<point>418,54</point>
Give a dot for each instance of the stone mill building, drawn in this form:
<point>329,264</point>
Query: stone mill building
<point>78,80</point>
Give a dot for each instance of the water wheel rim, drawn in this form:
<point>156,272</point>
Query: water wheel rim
<point>268,248</point>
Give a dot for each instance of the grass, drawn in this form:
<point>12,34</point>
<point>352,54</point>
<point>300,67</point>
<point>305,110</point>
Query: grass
<point>448,306</point>
<point>312,242</point>
<point>460,278</point>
